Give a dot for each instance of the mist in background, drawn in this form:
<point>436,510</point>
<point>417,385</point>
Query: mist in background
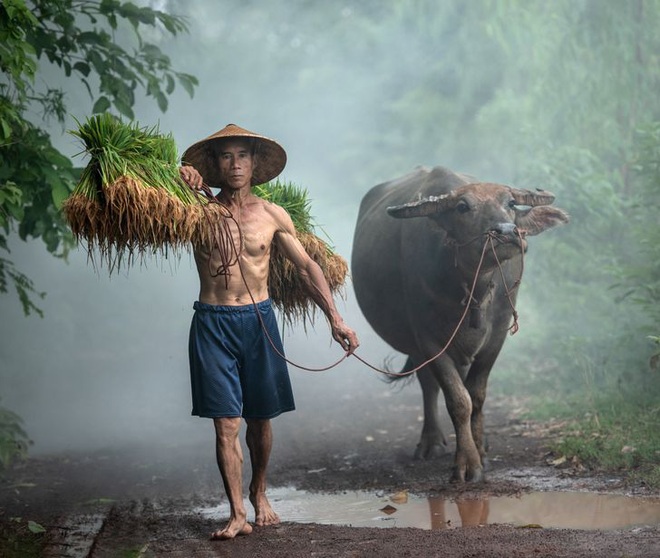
<point>357,92</point>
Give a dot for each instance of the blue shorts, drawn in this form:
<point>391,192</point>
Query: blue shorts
<point>234,370</point>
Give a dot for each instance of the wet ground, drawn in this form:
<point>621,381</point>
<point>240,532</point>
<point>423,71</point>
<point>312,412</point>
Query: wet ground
<point>344,484</point>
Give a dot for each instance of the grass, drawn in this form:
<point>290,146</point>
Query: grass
<point>614,431</point>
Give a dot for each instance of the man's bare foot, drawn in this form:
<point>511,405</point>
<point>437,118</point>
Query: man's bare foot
<point>232,529</point>
<point>264,514</point>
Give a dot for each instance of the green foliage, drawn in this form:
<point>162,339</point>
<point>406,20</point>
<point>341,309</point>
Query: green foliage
<point>80,40</point>
<point>641,274</point>
<point>568,118</point>
<point>14,441</point>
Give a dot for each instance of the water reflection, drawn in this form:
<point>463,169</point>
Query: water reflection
<point>574,510</point>
<point>470,512</point>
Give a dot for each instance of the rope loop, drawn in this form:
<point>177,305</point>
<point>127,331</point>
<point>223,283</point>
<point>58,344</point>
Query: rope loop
<point>230,256</point>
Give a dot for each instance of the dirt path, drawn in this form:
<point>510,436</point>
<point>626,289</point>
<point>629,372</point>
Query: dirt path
<point>145,501</point>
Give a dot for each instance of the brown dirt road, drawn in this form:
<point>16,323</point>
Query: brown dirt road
<point>147,501</point>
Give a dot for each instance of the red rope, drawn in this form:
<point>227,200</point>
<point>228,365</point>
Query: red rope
<point>222,238</point>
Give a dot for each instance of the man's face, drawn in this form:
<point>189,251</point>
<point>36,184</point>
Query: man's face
<point>236,163</point>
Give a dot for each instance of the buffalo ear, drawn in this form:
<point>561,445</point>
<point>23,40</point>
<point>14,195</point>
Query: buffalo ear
<point>541,218</point>
<point>422,208</point>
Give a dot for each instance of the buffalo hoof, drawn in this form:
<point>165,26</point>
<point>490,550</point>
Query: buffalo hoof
<point>428,450</point>
<point>461,475</point>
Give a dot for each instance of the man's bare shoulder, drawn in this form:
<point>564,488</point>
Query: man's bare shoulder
<point>276,212</point>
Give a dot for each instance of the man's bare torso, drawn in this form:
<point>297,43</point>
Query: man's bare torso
<point>257,223</point>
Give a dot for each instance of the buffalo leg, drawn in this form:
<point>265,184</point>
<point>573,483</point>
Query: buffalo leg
<point>432,442</point>
<point>467,462</point>
<point>476,384</point>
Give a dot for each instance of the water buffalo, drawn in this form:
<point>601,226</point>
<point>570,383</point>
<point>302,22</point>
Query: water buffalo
<point>419,241</point>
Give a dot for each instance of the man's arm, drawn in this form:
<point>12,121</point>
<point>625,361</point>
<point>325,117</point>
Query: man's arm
<point>313,279</point>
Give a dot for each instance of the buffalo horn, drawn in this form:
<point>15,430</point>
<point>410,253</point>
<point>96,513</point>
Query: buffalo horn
<point>422,208</point>
<point>527,197</point>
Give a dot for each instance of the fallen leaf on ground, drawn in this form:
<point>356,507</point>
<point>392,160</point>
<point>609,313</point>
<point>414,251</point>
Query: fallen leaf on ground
<point>400,497</point>
<point>559,461</point>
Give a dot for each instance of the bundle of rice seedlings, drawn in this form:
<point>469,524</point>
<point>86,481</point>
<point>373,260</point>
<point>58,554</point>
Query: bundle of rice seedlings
<point>130,199</point>
<point>286,289</point>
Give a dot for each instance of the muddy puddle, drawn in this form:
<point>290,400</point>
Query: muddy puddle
<point>572,510</point>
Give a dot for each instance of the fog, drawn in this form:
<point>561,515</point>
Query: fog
<point>107,364</point>
<point>108,361</point>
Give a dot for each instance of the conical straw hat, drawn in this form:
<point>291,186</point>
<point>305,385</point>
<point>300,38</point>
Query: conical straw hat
<point>271,157</point>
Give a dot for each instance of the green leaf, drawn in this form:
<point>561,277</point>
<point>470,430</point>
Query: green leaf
<point>16,211</point>
<point>6,129</point>
<point>35,527</point>
<point>154,55</point>
<point>82,67</point>
<point>123,108</point>
<point>169,88</point>
<point>102,104</point>
<point>188,82</point>
<point>59,193</point>
<point>97,62</point>
<point>89,37</point>
<point>162,101</point>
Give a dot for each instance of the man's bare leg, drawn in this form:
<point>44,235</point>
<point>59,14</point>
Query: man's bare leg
<point>259,438</point>
<point>230,462</point>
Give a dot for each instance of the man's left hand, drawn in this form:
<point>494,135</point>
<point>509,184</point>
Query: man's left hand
<point>346,337</point>
<point>191,177</point>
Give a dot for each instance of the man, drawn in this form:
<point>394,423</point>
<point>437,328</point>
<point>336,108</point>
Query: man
<point>235,370</point>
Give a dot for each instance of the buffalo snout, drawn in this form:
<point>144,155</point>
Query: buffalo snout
<point>505,229</point>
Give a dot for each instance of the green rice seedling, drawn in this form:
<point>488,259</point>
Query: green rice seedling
<point>286,289</point>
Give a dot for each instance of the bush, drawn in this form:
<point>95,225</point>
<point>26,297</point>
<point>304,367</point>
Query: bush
<point>14,441</point>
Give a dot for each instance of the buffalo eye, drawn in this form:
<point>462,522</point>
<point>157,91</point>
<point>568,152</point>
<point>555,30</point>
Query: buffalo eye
<point>512,204</point>
<point>462,207</point>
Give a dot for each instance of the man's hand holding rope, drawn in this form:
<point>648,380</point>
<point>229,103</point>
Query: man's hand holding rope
<point>346,337</point>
